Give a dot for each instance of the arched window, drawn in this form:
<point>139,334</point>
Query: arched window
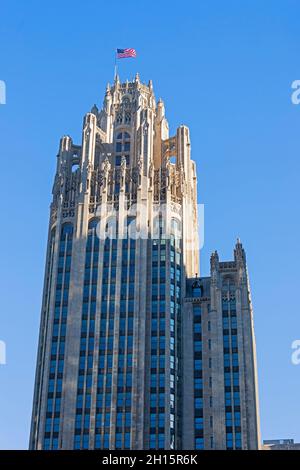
<point>123,136</point>
<point>126,102</point>
<point>66,231</point>
<point>93,223</point>
<point>228,285</point>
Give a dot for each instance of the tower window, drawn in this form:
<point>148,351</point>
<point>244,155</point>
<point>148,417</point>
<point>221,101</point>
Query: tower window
<point>122,145</point>
<point>197,289</point>
<point>123,136</point>
<point>67,229</point>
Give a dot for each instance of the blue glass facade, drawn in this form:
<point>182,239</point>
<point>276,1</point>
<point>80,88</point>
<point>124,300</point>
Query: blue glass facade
<point>106,344</point>
<point>54,395</point>
<point>231,375</point>
<point>106,333</point>
<point>198,375</point>
<point>125,348</point>
<point>175,331</point>
<point>165,338</point>
<point>87,338</point>
<point>158,346</point>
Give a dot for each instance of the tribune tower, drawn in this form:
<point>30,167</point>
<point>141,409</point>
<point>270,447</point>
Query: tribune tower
<point>116,353</point>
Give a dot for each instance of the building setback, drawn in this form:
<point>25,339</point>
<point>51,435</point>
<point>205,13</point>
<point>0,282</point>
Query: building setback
<point>135,351</point>
<point>280,444</point>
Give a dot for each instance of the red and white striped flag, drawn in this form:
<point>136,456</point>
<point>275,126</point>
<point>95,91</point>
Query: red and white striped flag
<point>125,53</point>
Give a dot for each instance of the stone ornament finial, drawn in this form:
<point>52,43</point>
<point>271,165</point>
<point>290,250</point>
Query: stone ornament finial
<point>95,110</point>
<point>239,253</point>
<point>140,164</point>
<point>123,163</point>
<point>106,166</point>
<point>214,262</point>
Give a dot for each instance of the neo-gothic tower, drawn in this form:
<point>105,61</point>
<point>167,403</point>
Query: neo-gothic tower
<point>135,351</point>
<point>109,360</point>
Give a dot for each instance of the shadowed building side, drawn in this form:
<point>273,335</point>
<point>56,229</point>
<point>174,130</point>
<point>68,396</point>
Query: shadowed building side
<point>219,359</point>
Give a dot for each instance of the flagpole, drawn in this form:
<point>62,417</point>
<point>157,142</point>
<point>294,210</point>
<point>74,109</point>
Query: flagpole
<point>115,73</point>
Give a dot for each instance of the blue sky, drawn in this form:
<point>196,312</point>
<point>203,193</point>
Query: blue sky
<point>224,69</point>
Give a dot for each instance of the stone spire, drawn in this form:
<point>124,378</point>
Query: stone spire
<point>214,262</point>
<point>239,253</point>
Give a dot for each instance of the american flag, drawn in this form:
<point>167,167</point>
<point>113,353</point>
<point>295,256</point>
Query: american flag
<point>124,53</point>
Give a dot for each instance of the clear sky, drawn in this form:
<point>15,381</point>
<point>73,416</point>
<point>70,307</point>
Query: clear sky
<point>223,68</point>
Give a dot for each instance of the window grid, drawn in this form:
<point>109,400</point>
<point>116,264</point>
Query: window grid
<point>231,375</point>
<point>52,424</point>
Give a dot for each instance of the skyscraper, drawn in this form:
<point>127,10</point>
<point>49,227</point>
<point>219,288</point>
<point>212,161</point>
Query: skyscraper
<point>220,405</point>
<point>125,357</point>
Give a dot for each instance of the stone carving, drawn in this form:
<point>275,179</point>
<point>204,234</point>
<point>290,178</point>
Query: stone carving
<point>123,163</point>
<point>106,166</point>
